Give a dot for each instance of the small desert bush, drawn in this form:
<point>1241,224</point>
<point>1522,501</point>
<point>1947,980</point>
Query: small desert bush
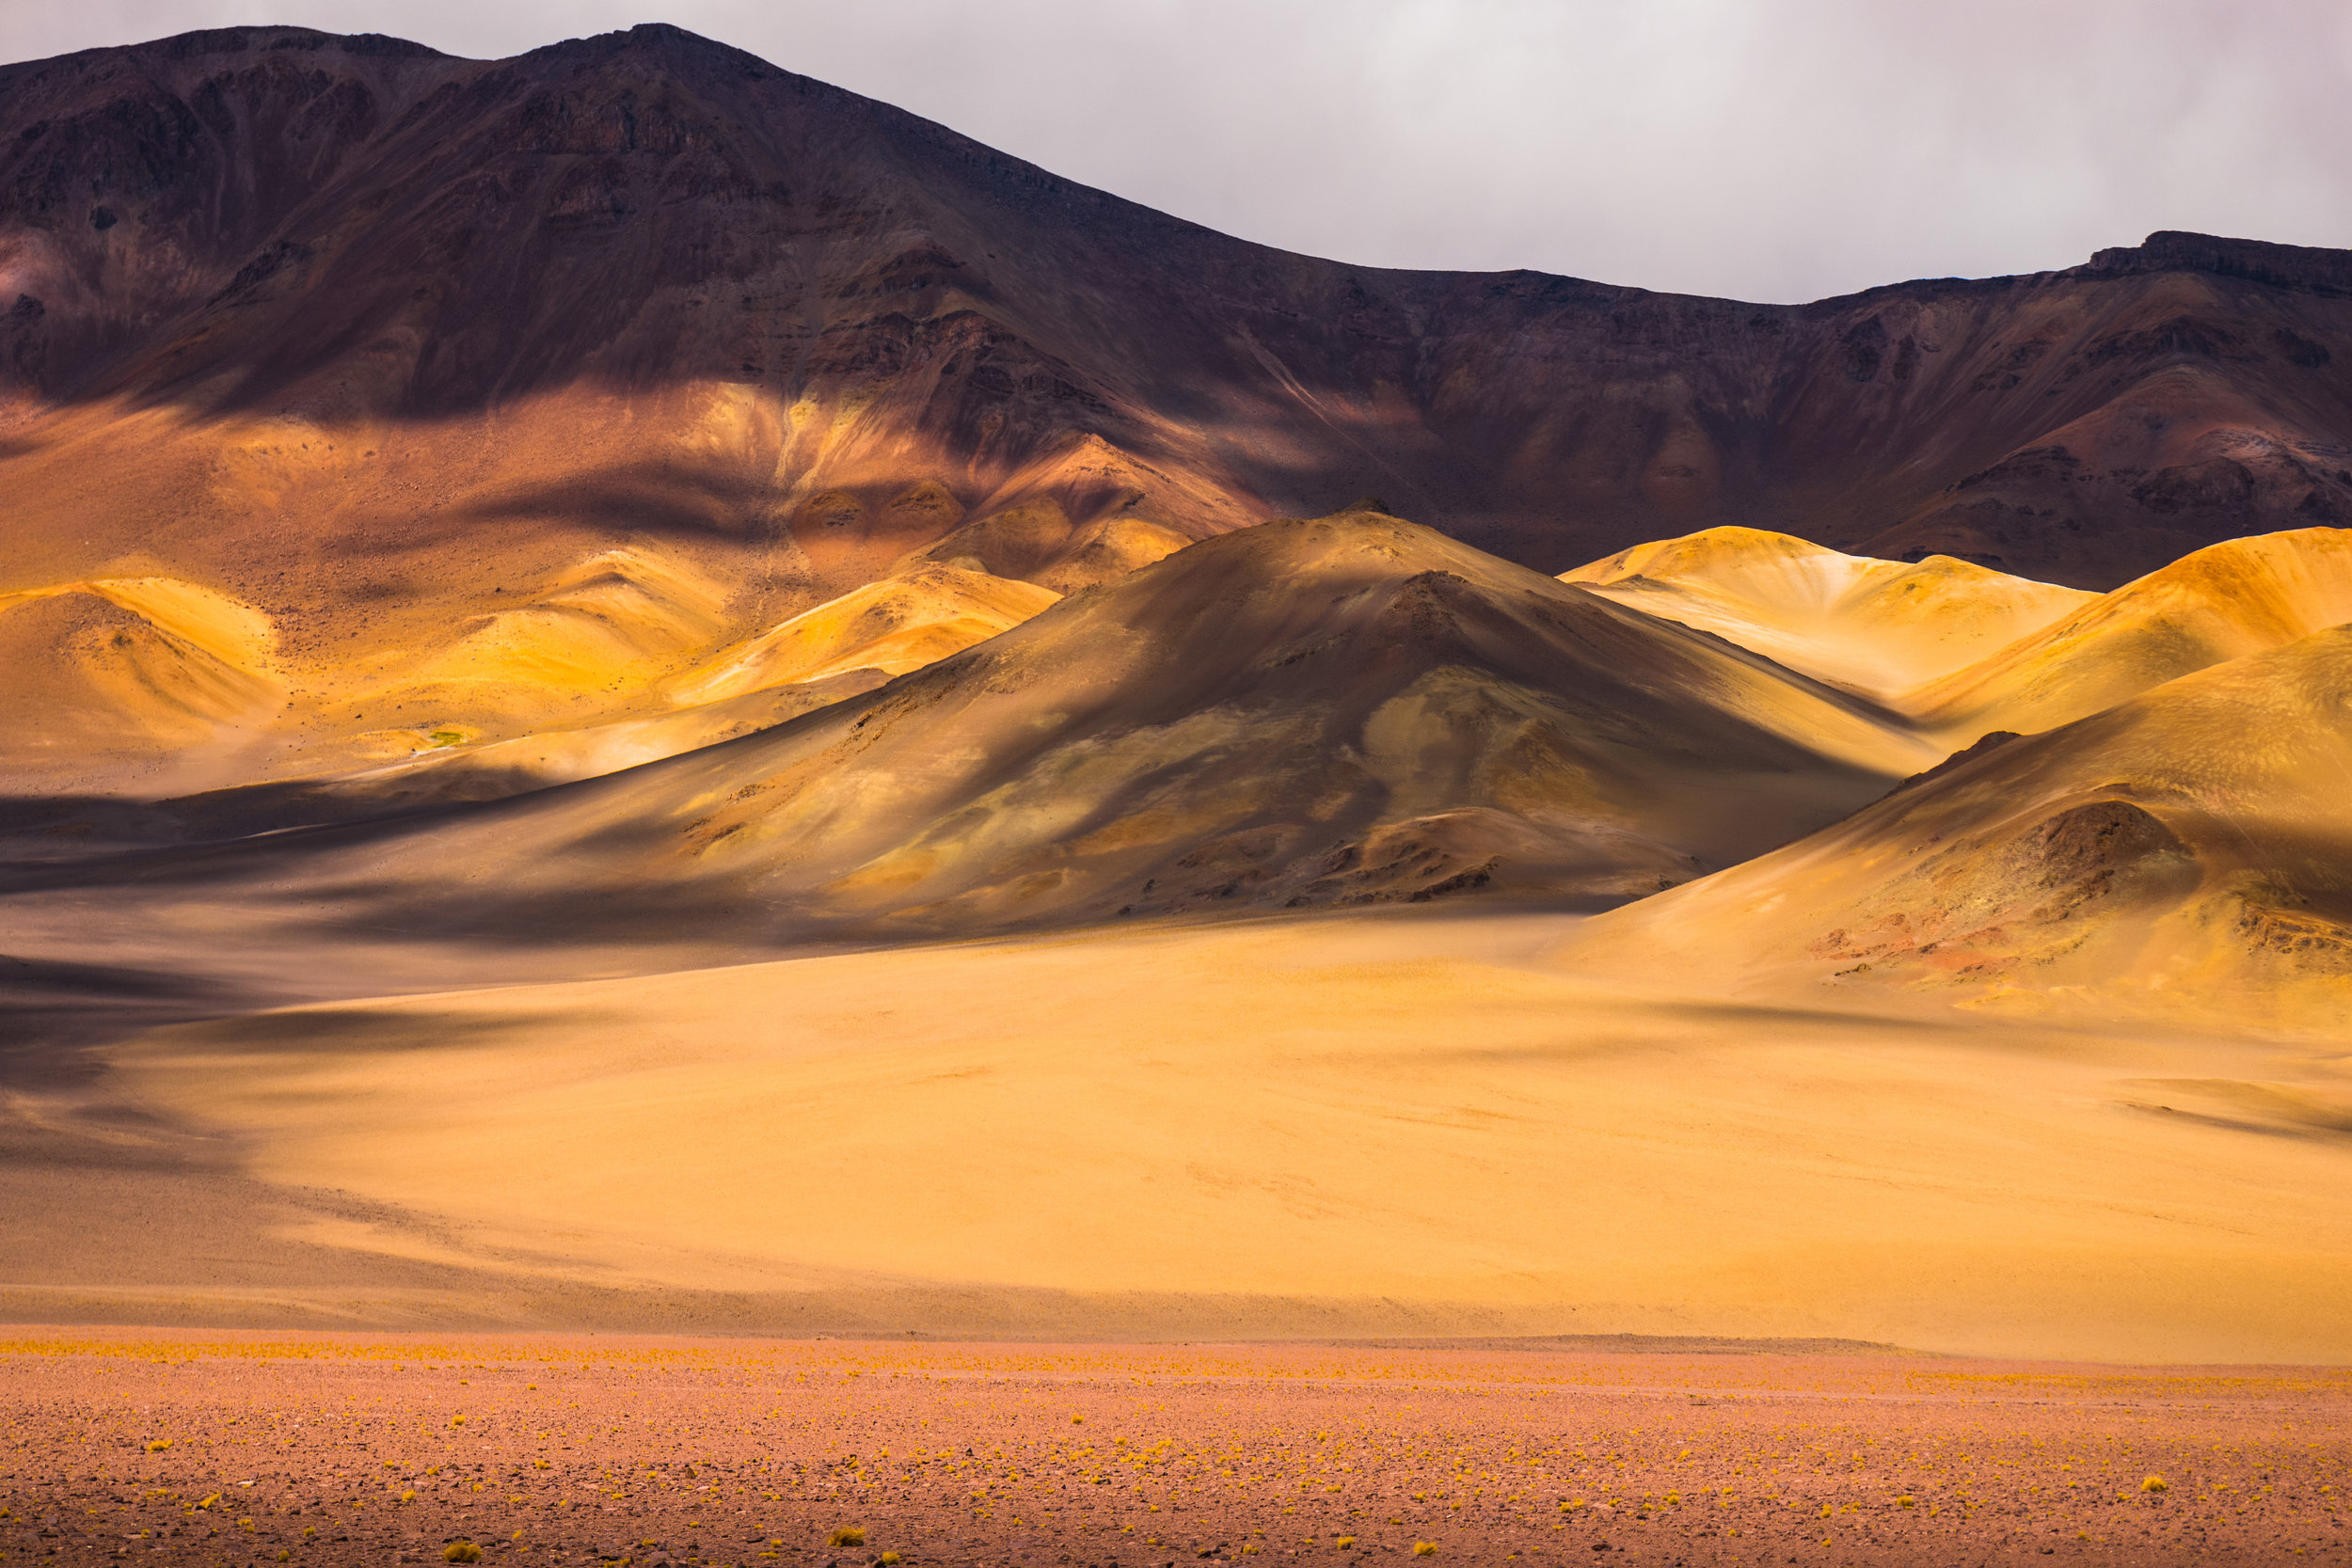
<point>2155,1483</point>
<point>461,1551</point>
<point>848,1535</point>
<point>1424,1548</point>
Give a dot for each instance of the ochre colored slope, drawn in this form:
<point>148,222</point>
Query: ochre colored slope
<point>1881,627</point>
<point>2223,602</point>
<point>1344,710</point>
<point>122,674</point>
<point>898,623</point>
<point>2184,855</point>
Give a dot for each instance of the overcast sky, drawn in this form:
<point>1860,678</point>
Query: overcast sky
<point>1770,149</point>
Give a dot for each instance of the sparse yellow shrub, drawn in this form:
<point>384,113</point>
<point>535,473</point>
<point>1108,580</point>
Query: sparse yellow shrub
<point>1424,1548</point>
<point>848,1535</point>
<point>1344,1541</point>
<point>2155,1483</point>
<point>159,1445</point>
<point>888,1560</point>
<point>461,1551</point>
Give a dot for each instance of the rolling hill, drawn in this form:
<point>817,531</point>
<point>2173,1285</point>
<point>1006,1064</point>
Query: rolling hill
<point>2184,857</point>
<point>676,345</point>
<point>1352,709</point>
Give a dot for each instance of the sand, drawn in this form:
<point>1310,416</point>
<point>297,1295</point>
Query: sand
<point>343,1450</point>
<point>1400,1123</point>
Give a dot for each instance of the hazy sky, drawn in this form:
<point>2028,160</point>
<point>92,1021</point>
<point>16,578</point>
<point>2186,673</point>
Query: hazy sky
<point>1776,150</point>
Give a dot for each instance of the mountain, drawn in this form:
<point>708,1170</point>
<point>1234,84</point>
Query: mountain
<point>1344,711</point>
<point>363,342</point>
<point>2185,856</point>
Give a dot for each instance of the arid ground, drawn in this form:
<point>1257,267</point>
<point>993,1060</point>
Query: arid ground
<point>253,1447</point>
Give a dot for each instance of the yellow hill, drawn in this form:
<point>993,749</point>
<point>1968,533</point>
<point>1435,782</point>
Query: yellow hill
<point>128,673</point>
<point>2226,601</point>
<point>898,623</point>
<point>1881,627</point>
<point>1352,709</point>
<point>2186,855</point>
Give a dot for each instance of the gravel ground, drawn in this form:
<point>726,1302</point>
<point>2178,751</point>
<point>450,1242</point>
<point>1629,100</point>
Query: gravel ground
<point>257,1447</point>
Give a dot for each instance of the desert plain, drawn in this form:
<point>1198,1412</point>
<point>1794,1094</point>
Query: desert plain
<point>730,832</point>
<point>254,1446</point>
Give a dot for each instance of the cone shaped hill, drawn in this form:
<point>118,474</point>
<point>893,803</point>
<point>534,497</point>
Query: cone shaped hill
<point>1353,710</point>
<point>496,396</point>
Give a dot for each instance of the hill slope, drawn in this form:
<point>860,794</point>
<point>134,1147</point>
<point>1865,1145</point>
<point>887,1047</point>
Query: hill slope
<point>2187,854</point>
<point>1352,709</point>
<point>2223,602</point>
<point>1881,627</point>
<point>368,338</point>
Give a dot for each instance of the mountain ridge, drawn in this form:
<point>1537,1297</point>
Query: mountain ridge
<point>370,340</point>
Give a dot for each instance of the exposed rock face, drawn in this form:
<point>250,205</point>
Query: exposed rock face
<point>918,334</point>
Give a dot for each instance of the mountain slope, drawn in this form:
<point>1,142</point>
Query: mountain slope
<point>1349,710</point>
<point>2238,597</point>
<point>2187,854</point>
<point>358,335</point>
<point>1881,627</point>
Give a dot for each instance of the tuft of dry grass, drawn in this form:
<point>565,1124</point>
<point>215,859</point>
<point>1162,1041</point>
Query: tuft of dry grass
<point>2155,1483</point>
<point>1424,1548</point>
<point>848,1535</point>
<point>461,1551</point>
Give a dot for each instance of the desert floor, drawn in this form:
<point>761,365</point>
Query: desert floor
<point>1377,1126</point>
<point>249,1448</point>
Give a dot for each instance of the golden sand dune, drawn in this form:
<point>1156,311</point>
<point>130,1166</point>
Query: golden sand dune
<point>1299,1129</point>
<point>1881,627</point>
<point>2185,855</point>
<point>1343,710</point>
<point>898,623</point>
<point>2223,602</point>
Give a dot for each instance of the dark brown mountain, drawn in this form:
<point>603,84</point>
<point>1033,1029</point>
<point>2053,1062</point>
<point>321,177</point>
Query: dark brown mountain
<point>262,218</point>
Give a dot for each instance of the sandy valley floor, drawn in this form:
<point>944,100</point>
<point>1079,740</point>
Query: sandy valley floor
<point>1368,1125</point>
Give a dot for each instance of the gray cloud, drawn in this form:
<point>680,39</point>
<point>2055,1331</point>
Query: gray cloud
<point>1774,150</point>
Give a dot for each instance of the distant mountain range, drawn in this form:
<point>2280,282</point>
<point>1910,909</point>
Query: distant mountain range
<point>358,233</point>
